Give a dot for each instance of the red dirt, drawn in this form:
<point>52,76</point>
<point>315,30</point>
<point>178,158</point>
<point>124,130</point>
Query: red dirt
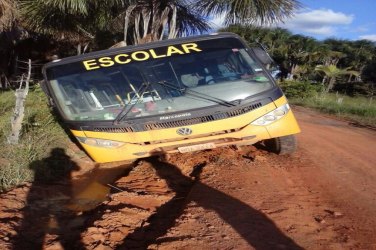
<point>322,197</point>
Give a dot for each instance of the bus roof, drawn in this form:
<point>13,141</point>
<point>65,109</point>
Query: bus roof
<point>130,48</point>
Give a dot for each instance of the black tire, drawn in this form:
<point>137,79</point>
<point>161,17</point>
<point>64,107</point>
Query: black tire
<point>282,145</point>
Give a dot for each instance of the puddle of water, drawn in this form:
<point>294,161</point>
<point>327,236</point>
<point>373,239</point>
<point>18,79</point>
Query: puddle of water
<point>92,189</point>
<point>88,198</point>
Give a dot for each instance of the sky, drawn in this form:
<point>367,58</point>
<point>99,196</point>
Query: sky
<point>341,19</point>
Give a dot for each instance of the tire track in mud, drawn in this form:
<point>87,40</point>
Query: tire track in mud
<point>148,203</point>
<point>53,217</point>
<point>152,196</point>
<point>157,194</point>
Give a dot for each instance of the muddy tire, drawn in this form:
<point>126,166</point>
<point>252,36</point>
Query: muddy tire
<point>282,145</point>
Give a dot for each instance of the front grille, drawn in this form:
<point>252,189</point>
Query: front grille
<point>202,119</point>
<point>244,110</point>
<point>180,123</point>
<point>114,130</point>
<point>173,124</point>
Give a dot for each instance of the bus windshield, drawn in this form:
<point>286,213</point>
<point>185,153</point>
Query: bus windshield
<point>156,80</point>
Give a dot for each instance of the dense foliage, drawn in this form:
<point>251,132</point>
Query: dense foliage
<point>304,58</point>
<point>296,89</point>
<point>41,29</point>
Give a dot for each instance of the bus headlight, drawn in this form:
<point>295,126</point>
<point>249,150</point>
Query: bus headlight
<point>272,116</point>
<point>100,142</point>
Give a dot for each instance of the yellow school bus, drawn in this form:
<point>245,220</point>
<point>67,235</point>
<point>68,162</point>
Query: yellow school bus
<point>171,96</point>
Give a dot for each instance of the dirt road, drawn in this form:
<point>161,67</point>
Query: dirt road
<point>322,197</point>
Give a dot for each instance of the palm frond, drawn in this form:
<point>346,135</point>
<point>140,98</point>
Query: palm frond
<point>190,21</point>
<point>249,11</point>
<point>8,14</point>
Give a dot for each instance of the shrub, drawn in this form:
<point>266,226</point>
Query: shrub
<point>296,89</point>
<point>360,110</point>
<point>356,88</point>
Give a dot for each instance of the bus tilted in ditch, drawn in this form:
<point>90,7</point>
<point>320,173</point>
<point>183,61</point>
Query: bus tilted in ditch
<point>179,95</point>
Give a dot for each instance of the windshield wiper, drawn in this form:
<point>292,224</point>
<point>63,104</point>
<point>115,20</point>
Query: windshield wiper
<point>196,94</point>
<point>125,111</point>
<point>145,86</point>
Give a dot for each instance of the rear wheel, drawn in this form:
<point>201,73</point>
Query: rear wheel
<point>282,145</point>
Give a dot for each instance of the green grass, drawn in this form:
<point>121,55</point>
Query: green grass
<point>361,110</point>
<point>41,133</point>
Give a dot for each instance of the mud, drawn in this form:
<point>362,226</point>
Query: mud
<point>322,197</point>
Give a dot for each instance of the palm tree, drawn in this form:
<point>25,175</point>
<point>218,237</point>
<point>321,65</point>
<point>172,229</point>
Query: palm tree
<point>79,20</point>
<point>151,20</point>
<point>362,54</point>
<point>8,34</point>
<point>332,73</point>
<point>60,19</point>
<point>75,21</point>
<point>8,14</point>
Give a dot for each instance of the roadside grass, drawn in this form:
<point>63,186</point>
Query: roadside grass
<point>41,132</point>
<point>360,110</point>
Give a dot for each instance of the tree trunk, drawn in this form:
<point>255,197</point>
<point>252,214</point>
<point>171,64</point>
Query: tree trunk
<point>18,115</point>
<point>324,80</point>
<point>4,83</point>
<point>79,49</point>
<point>349,79</point>
<point>332,81</point>
<point>85,48</point>
<point>173,29</point>
<point>126,21</point>
<point>293,71</point>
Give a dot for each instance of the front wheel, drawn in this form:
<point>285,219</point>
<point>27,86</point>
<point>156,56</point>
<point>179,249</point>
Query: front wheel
<point>282,145</point>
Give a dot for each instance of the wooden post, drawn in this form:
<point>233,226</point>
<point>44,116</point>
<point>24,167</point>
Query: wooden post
<point>18,114</point>
<point>4,83</point>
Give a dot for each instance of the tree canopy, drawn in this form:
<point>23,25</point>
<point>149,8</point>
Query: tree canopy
<point>302,57</point>
<point>141,19</point>
<point>249,11</point>
<point>69,27</point>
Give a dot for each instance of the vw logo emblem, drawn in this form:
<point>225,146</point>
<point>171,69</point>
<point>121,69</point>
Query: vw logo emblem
<point>184,131</point>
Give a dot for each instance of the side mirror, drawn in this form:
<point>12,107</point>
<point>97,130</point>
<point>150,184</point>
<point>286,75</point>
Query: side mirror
<point>262,55</point>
